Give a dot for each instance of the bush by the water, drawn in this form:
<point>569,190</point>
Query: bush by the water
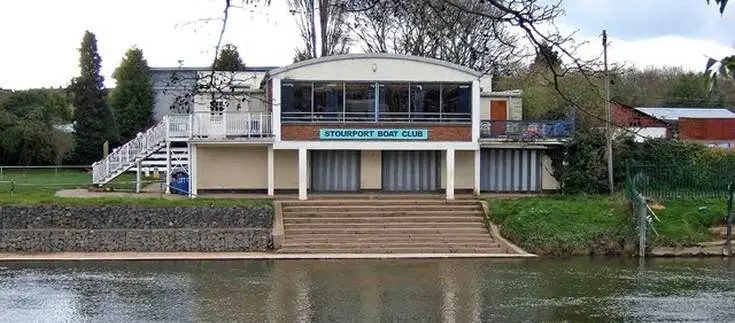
<point>580,225</point>
<point>580,165</point>
<point>564,225</point>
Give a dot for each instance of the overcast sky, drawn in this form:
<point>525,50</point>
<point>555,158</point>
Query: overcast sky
<point>40,38</point>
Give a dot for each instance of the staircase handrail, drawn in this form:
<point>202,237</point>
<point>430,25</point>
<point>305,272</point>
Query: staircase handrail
<point>128,154</point>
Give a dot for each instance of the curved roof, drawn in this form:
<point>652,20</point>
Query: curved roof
<point>334,58</point>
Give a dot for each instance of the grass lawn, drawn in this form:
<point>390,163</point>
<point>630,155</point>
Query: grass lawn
<point>38,186</point>
<point>577,224</point>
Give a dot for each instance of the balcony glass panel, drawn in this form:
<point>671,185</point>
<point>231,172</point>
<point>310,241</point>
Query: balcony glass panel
<point>328,101</point>
<point>296,100</point>
<point>360,101</point>
<point>456,100</point>
<point>425,102</point>
<point>393,102</point>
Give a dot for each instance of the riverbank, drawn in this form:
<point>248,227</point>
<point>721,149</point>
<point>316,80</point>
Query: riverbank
<point>596,225</point>
<point>182,256</point>
<point>134,228</point>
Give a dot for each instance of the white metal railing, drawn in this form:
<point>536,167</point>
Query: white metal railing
<point>205,124</point>
<point>231,125</point>
<point>179,125</point>
<point>128,154</point>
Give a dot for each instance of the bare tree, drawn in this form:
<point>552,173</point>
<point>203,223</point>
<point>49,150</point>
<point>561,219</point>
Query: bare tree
<point>430,28</point>
<point>322,27</point>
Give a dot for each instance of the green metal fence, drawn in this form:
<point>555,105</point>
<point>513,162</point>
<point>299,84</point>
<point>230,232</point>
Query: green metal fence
<point>666,182</point>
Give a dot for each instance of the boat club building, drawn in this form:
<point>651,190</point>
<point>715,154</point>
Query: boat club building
<point>355,123</point>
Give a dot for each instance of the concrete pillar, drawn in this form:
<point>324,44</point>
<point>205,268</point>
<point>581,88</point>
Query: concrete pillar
<point>476,107</point>
<point>450,174</point>
<point>168,167</point>
<point>478,179</point>
<point>138,177</point>
<point>192,170</point>
<point>303,175</point>
<point>271,170</point>
<point>276,108</point>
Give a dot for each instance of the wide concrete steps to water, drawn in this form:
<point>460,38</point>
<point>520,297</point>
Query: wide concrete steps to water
<point>386,226</point>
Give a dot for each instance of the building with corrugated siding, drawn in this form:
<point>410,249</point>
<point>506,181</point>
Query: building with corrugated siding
<point>356,123</point>
<point>714,132</point>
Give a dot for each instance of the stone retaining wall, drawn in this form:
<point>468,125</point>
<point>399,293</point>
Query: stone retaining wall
<point>51,228</point>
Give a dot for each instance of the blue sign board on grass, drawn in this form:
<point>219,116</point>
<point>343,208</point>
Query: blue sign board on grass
<point>374,134</point>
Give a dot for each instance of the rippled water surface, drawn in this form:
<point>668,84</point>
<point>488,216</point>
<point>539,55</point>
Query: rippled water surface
<point>370,291</point>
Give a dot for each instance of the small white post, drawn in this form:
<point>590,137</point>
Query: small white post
<point>302,174</point>
<point>168,167</point>
<point>478,177</point>
<point>450,174</point>
<point>168,127</point>
<point>192,170</point>
<point>271,170</point>
<point>191,125</point>
<point>276,108</point>
<point>138,177</point>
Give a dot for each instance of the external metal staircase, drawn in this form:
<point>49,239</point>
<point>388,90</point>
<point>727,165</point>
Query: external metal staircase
<point>131,154</point>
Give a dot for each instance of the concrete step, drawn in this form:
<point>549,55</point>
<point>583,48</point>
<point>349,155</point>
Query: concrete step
<point>381,214</point>
<point>382,229</point>
<point>382,224</point>
<point>334,245</point>
<point>421,236</point>
<point>392,250</point>
<point>380,219</point>
<point>398,202</point>
<point>413,207</point>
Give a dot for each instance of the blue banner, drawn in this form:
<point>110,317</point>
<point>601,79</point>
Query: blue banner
<point>374,134</point>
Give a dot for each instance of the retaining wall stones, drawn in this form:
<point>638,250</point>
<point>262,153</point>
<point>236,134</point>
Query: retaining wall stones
<point>51,228</point>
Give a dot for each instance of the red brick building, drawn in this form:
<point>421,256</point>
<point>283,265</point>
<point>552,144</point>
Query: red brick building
<point>645,125</point>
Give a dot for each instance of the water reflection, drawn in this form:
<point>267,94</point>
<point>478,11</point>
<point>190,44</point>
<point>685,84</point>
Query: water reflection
<point>370,291</point>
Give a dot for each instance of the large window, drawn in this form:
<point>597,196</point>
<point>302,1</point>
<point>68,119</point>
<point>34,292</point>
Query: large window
<point>328,100</point>
<point>456,101</point>
<point>373,101</point>
<point>359,101</point>
<point>393,102</point>
<point>296,100</point>
<point>425,102</point>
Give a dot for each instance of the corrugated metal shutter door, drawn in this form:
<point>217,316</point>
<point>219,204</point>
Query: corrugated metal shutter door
<point>335,170</point>
<point>510,170</point>
<point>411,171</point>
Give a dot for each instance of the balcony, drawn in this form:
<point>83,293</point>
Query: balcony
<point>227,125</point>
<point>371,116</point>
<point>525,130</point>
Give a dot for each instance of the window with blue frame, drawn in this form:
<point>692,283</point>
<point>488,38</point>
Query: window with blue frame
<point>296,100</point>
<point>425,101</point>
<point>328,100</point>
<point>373,101</point>
<point>456,100</point>
<point>393,102</point>
<point>359,101</point>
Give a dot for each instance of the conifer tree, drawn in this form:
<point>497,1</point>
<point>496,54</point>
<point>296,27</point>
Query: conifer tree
<point>132,100</point>
<point>228,60</point>
<point>94,123</point>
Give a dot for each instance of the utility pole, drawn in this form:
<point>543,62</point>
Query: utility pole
<point>608,114</point>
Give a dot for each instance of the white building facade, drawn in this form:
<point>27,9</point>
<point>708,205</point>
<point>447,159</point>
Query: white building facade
<point>367,122</point>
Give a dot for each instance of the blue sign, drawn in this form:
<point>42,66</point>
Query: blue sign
<point>374,134</point>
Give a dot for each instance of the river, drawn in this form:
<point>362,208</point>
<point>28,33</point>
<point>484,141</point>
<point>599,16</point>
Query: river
<point>508,290</point>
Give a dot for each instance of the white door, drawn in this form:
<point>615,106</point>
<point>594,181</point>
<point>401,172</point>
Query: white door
<point>217,125</point>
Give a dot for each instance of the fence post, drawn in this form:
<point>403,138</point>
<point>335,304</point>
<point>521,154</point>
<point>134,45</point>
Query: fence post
<point>728,235</point>
<point>642,225</point>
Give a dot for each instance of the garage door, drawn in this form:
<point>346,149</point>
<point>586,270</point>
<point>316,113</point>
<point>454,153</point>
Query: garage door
<point>411,171</point>
<point>335,170</point>
<point>510,170</point>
